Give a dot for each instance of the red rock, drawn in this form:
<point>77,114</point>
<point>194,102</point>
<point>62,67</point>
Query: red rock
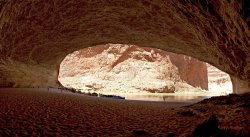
<point>114,58</point>
<point>38,35</point>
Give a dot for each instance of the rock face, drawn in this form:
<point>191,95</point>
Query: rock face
<point>191,70</point>
<point>37,35</point>
<point>131,67</point>
<point>240,86</point>
<point>218,80</point>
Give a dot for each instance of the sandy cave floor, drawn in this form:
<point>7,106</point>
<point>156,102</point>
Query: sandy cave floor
<point>34,112</point>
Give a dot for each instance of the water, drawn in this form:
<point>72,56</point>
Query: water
<point>189,97</point>
<point>166,98</point>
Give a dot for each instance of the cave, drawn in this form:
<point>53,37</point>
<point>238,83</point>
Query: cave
<point>35,37</point>
<point>33,44</point>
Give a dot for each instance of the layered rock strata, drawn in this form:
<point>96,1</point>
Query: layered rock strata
<point>132,68</point>
<point>39,34</point>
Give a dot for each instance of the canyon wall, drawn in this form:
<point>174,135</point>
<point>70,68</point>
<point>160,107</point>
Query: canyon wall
<point>129,64</point>
<point>191,70</point>
<point>218,81</point>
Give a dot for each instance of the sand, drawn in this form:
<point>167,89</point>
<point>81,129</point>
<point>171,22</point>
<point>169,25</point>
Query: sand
<point>38,112</point>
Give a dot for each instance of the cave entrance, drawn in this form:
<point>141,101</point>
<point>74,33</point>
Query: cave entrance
<point>141,73</point>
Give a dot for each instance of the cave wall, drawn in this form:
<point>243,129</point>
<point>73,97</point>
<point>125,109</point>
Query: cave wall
<point>240,86</point>
<point>39,34</point>
<point>19,74</point>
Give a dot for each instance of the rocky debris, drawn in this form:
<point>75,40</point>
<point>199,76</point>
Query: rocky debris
<point>208,128</point>
<point>139,132</point>
<point>131,68</point>
<point>111,96</point>
<point>228,116</point>
<point>188,113</point>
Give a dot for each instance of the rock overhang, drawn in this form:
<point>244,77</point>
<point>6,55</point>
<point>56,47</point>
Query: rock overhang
<point>40,34</point>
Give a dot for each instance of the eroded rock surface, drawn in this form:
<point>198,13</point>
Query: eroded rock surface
<point>130,68</point>
<point>218,81</point>
<point>240,86</point>
<point>40,34</point>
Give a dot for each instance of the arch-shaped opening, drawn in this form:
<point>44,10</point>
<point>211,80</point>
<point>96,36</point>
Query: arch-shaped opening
<point>36,35</point>
<point>141,73</point>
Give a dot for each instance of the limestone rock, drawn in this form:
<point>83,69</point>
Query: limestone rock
<point>219,81</point>
<point>131,67</point>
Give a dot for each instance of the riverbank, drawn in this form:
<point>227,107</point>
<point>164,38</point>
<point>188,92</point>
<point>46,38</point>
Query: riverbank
<point>37,112</point>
